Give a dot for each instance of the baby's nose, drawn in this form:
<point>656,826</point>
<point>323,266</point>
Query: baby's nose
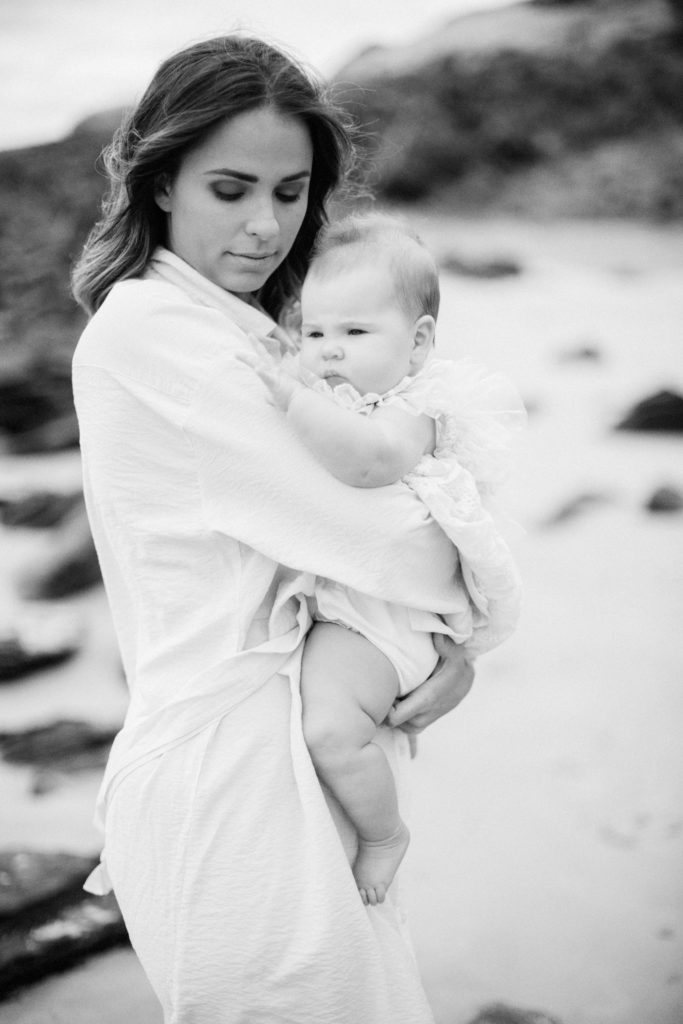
<point>332,349</point>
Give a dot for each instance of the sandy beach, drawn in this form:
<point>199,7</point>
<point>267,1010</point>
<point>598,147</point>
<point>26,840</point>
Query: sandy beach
<point>546,869</point>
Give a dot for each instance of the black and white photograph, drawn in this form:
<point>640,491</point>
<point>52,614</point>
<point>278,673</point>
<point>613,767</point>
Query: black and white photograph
<point>341,512</point>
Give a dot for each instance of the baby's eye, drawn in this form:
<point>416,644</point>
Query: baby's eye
<point>356,330</point>
<point>312,334</point>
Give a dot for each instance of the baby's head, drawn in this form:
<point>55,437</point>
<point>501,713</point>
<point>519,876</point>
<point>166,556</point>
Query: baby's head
<point>369,304</point>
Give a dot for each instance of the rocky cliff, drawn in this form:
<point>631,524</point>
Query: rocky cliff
<point>548,106</point>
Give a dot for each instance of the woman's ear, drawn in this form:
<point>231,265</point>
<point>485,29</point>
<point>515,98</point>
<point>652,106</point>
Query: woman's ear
<point>424,332</point>
<point>162,193</point>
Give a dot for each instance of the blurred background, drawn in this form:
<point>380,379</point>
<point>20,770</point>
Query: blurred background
<point>537,146</point>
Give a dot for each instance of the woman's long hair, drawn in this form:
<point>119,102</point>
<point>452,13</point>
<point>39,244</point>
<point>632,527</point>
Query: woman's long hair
<point>191,93</point>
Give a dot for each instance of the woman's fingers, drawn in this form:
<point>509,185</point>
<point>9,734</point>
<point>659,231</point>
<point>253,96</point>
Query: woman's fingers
<point>408,712</point>
<point>448,684</point>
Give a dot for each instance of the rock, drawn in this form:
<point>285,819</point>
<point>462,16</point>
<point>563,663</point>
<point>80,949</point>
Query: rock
<point>527,110</point>
<point>16,661</point>
<point>665,499</point>
<point>54,436</point>
<point>486,269</point>
<point>574,507</point>
<point>662,411</point>
<point>72,568</point>
<point>36,408</point>
<point>28,878</point>
<point>40,510</point>
<point>500,1014</point>
<point>102,124</point>
<point>585,353</point>
<point>37,641</point>
<point>63,746</point>
<point>48,921</point>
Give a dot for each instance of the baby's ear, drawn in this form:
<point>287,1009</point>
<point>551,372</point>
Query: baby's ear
<point>424,332</point>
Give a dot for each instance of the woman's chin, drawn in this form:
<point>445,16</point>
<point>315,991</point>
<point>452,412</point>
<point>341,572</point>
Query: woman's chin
<point>243,275</point>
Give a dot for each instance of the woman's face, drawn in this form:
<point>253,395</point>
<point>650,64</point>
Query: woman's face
<point>238,200</point>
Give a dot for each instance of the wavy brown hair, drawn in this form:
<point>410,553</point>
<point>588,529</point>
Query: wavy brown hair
<point>190,94</point>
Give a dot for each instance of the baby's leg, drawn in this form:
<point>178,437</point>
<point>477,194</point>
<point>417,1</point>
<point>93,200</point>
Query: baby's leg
<point>348,687</point>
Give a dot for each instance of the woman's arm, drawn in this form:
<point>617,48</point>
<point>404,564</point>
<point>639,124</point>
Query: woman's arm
<point>262,486</point>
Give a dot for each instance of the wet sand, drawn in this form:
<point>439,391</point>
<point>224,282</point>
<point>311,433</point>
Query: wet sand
<point>545,868</point>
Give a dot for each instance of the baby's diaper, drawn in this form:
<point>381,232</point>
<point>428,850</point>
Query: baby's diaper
<point>403,635</point>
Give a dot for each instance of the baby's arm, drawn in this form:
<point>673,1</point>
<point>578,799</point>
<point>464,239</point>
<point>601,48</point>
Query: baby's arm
<point>363,451</point>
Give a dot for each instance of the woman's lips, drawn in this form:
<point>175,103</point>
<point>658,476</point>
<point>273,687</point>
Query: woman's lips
<point>253,257</point>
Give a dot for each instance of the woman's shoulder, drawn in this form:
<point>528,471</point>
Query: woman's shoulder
<point>139,303</point>
<point>152,331</point>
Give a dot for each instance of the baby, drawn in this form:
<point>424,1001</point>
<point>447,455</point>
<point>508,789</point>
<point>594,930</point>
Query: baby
<point>375,407</point>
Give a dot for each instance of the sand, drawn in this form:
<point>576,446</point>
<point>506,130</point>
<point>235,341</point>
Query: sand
<point>545,868</point>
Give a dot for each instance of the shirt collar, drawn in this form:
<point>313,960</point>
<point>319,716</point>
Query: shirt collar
<point>169,267</point>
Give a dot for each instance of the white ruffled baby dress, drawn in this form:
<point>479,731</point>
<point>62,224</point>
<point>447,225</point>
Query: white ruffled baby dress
<point>476,415</point>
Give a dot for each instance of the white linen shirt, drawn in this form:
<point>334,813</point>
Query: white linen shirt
<point>210,516</point>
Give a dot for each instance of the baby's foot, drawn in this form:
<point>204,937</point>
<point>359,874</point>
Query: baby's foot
<point>377,863</point>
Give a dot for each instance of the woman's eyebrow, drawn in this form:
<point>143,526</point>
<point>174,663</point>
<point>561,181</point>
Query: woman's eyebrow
<point>251,178</point>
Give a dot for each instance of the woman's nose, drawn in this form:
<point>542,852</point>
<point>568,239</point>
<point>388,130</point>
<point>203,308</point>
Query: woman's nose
<point>263,223</point>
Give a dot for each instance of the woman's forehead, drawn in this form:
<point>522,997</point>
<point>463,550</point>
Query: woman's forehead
<point>254,142</point>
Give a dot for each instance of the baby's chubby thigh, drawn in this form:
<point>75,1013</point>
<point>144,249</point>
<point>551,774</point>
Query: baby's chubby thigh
<point>347,689</point>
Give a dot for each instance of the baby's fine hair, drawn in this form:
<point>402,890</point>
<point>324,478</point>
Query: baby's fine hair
<point>384,237</point>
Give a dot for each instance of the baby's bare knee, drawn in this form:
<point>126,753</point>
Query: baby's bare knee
<point>330,737</point>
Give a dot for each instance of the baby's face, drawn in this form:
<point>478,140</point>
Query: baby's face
<point>354,330</point>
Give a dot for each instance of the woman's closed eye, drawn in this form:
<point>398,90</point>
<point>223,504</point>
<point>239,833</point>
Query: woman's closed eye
<point>233,196</point>
<point>289,197</point>
<point>227,197</point>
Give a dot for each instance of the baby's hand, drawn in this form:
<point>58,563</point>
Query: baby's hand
<point>280,384</point>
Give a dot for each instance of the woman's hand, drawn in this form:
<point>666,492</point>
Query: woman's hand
<point>448,684</point>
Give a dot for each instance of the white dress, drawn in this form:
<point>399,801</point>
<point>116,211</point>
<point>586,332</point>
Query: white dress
<point>476,414</point>
<point>211,520</point>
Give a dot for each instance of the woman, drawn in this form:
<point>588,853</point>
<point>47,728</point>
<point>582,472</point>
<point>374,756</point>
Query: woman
<point>231,869</point>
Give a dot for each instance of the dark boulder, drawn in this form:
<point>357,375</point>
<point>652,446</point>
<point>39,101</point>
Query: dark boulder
<point>501,1014</point>
<point>39,510</point>
<point>486,269</point>
<point>37,642</point>
<point>72,567</point>
<point>662,411</point>
<point>47,921</point>
<point>36,407</point>
<point>665,499</point>
<point>29,878</point>
<point>64,745</point>
<point>574,507</point>
<point>587,352</point>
